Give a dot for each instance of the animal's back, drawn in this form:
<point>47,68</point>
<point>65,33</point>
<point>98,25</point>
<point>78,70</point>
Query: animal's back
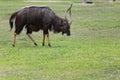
<point>40,15</point>
<point>35,18</point>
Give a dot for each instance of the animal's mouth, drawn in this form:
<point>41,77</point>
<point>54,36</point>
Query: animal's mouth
<point>68,34</point>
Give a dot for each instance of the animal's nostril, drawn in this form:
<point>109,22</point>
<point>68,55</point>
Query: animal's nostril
<point>68,34</point>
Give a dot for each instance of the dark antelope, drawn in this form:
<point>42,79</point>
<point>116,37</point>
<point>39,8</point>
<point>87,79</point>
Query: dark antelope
<point>36,18</point>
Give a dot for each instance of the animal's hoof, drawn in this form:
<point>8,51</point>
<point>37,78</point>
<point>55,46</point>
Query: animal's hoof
<point>13,45</point>
<point>35,44</point>
<point>43,44</point>
<point>49,45</point>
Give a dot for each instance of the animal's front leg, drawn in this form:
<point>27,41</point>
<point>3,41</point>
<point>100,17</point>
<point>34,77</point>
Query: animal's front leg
<point>43,44</point>
<point>48,40</point>
<point>46,34</point>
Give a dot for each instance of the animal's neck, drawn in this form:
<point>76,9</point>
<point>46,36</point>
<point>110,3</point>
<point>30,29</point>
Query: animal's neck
<point>57,20</point>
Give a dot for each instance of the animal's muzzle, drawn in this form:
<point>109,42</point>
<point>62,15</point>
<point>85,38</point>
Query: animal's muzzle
<point>67,33</point>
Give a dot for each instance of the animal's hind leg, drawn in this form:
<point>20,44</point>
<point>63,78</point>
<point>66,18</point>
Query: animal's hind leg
<point>28,33</point>
<point>17,31</point>
<point>14,41</point>
<point>32,39</point>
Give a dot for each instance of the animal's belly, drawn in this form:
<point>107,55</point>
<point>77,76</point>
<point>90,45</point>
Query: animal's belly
<point>34,28</point>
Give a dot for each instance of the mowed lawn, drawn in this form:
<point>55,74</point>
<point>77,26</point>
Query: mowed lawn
<point>92,52</point>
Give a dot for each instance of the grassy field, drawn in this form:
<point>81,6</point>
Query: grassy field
<point>92,52</point>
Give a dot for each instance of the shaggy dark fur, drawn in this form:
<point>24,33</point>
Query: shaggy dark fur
<point>36,18</point>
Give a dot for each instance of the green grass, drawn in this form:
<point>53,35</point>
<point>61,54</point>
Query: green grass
<point>92,52</point>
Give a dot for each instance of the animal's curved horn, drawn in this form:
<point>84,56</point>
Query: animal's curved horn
<point>69,9</point>
<point>70,17</point>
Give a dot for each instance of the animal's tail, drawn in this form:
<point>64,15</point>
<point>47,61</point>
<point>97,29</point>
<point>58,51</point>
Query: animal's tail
<point>12,19</point>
